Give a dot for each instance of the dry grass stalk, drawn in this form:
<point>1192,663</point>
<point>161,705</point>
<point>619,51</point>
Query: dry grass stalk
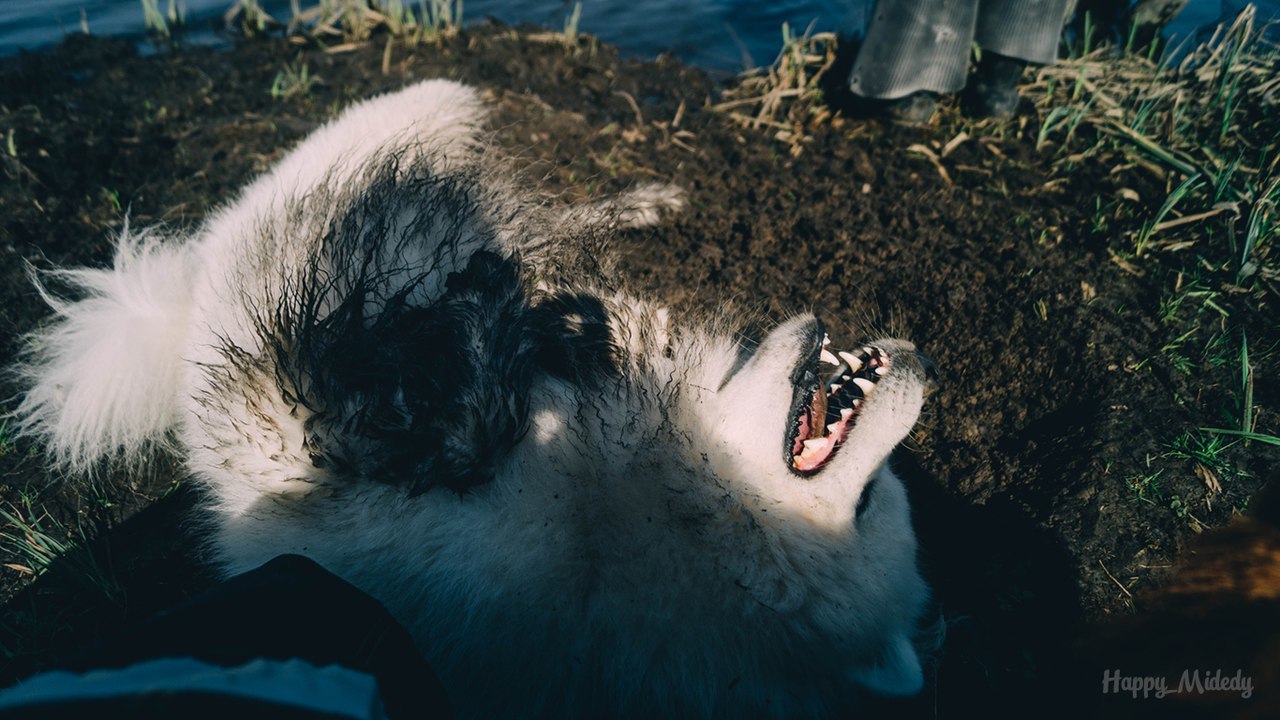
<point>351,22</point>
<point>786,96</point>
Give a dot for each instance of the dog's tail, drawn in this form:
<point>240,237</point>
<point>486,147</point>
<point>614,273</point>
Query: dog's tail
<point>101,379</point>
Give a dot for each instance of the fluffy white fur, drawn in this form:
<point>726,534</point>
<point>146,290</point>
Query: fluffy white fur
<point>641,548</point>
<point>102,379</point>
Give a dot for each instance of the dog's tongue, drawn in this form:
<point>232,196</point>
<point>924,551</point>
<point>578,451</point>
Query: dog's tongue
<point>819,410</point>
<point>811,421</point>
<point>813,448</point>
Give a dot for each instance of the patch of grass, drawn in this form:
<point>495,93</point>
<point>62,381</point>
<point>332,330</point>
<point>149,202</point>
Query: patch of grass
<point>786,97</point>
<point>1217,351</point>
<point>113,198</point>
<point>1212,464</point>
<point>571,25</point>
<point>1208,452</point>
<point>153,19</point>
<point>250,17</point>
<point>1146,486</point>
<point>293,79</point>
<point>32,540</point>
<point>26,537</point>
<point>571,36</point>
<point>1172,352</point>
<point>1262,227</point>
<point>1258,437</point>
<point>163,24</point>
<point>1247,417</point>
<point>1153,225</point>
<point>1187,302</point>
<point>1203,124</point>
<point>1066,118</point>
<point>356,21</point>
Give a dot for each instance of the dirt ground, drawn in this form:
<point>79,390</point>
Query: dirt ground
<point>1060,399</point>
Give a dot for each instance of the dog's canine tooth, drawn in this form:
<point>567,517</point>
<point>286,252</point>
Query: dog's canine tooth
<point>814,445</point>
<point>828,358</point>
<point>854,363</point>
<point>865,385</point>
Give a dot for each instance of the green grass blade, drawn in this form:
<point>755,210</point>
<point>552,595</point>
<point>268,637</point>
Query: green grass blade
<point>1268,439</point>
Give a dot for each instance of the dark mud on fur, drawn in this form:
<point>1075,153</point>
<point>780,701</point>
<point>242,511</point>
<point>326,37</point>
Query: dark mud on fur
<point>1022,471</point>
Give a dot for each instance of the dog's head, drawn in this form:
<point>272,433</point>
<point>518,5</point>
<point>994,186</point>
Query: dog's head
<point>766,461</point>
<point>815,420</point>
<point>809,424</point>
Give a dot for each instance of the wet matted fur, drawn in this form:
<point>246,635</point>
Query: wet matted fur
<point>391,357</point>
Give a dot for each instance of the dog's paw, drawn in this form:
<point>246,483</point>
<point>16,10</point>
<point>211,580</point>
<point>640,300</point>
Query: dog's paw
<point>645,205</point>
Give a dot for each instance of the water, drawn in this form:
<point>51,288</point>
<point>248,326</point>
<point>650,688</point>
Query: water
<point>717,34</point>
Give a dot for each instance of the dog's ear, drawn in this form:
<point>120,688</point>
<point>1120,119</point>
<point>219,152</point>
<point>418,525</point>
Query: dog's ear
<point>101,379</point>
<point>897,673</point>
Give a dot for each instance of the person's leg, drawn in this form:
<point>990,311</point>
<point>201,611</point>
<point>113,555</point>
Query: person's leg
<point>915,46</point>
<point>1012,34</point>
<point>1027,30</point>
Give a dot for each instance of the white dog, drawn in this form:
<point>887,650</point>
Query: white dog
<point>388,356</point>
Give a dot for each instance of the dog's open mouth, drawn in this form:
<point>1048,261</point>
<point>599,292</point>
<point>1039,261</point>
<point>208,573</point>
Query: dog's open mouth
<point>829,403</point>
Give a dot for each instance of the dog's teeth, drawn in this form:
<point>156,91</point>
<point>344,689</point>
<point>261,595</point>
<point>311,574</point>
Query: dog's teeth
<point>828,358</point>
<point>866,386</point>
<point>826,340</point>
<point>854,363</point>
<point>833,428</point>
<point>846,413</point>
<point>882,370</point>
<point>815,445</point>
<point>834,388</point>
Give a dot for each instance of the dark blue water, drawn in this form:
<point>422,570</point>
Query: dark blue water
<point>719,34</point>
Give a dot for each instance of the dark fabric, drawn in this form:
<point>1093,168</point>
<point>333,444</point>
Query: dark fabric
<point>1027,30</point>
<point>914,45</point>
<point>923,45</point>
<point>288,608</point>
